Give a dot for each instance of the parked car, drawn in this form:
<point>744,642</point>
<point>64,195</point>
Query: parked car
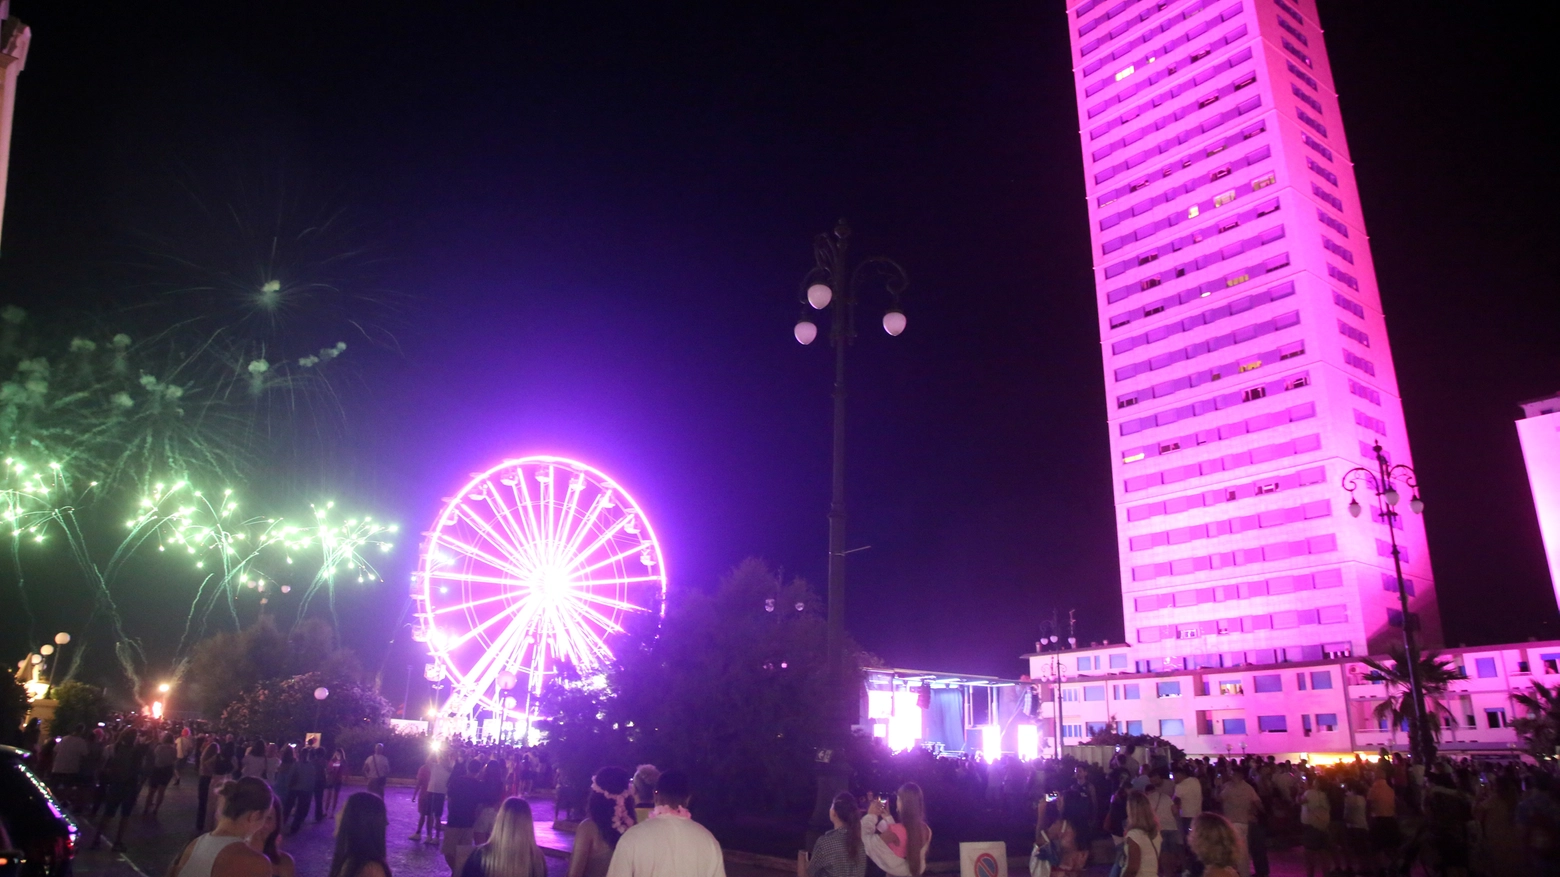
<point>38,829</point>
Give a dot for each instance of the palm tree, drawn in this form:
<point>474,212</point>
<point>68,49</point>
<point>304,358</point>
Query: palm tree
<point>1541,729</point>
<point>1435,677</point>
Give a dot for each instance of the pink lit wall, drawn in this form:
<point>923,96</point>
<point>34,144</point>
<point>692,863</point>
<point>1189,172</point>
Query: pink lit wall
<point>1246,357</point>
<point>1540,436</point>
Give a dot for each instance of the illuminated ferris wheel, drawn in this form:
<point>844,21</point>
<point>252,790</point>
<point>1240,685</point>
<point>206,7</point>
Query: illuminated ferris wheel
<point>535,562</point>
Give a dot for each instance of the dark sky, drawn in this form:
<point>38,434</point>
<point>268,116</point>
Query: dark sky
<point>598,216</point>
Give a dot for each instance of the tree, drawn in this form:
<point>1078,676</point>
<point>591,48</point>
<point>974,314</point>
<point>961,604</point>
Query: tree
<point>13,707</point>
<point>735,689</point>
<point>1435,676</point>
<point>1541,728</point>
<point>77,703</point>
<point>223,666</point>
<point>286,709</point>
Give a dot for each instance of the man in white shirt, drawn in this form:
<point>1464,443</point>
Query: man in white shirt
<point>1188,796</point>
<point>376,769</point>
<point>669,843</point>
<point>68,754</point>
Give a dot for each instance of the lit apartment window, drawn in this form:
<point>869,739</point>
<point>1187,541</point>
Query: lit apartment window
<point>1231,686</point>
<point>1167,689</point>
<point>1551,663</point>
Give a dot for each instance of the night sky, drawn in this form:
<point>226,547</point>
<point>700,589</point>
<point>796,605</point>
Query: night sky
<point>594,220</point>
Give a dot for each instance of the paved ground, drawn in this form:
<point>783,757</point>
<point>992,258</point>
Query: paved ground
<point>153,842</point>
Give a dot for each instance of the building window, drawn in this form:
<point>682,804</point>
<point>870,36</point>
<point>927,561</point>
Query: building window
<point>1299,681</point>
<point>1360,363</point>
<point>1300,74</point>
<point>1167,689</point>
<point>1093,728</point>
<point>1551,663</point>
<point>1495,718</point>
<point>1306,118</point>
<point>1172,727</point>
<point>1294,32</point>
<point>1231,686</point>
<point>1130,691</point>
<point>1342,277</point>
<point>1321,680</point>
<point>1332,223</point>
<point>1485,668</point>
<point>1267,683</point>
<point>1305,725</point>
<point>1234,726</point>
<point>1094,692</point>
<point>1306,99</point>
<point>1070,695</point>
<point>1312,142</point>
<point>1272,724</point>
<point>1118,662</point>
<point>1327,721</point>
<point>1135,727</point>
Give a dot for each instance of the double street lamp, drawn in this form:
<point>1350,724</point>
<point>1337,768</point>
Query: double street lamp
<point>1382,482</point>
<point>835,285</point>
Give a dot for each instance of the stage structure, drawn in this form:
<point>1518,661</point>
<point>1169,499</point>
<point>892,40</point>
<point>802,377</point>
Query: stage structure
<point>535,563</point>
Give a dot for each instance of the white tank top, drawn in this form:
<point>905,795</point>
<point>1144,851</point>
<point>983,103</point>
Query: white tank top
<point>207,846</point>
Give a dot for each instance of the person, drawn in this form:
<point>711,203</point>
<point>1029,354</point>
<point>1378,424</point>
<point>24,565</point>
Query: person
<point>376,769</point>
<point>273,760</point>
<point>360,838</point>
<point>266,841</point>
<point>1385,838</point>
<point>318,759</point>
<point>1141,842</point>
<point>206,772</point>
<point>282,777</point>
<point>253,764</point>
<point>1214,842</point>
<point>121,784</point>
<point>420,794</point>
<point>610,812</point>
<point>1447,814</point>
<point>492,795</point>
<point>1061,831</point>
<point>184,747</point>
<point>839,852</point>
<point>69,757</point>
<point>645,778</point>
<point>898,848</point>
<point>669,843</point>
<point>1315,815</point>
<point>164,757</point>
<point>465,796</point>
<point>335,773</point>
<point>1500,842</point>
<point>223,852</point>
<point>430,807</point>
<point>1241,803</point>
<point>1356,829</point>
<point>511,849</point>
<point>301,787</point>
<point>1161,796</point>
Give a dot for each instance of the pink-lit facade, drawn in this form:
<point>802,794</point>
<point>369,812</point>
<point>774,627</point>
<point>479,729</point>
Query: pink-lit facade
<point>1246,357</point>
<point>1539,432</point>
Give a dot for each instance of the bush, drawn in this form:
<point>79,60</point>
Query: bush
<point>77,703</point>
<point>406,752</point>
<point>285,709</point>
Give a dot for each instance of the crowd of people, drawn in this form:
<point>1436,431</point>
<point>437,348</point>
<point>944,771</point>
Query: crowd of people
<point>1378,816</point>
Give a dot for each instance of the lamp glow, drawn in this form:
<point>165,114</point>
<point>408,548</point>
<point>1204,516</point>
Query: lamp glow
<point>1416,505</point>
<point>1354,508</point>
<point>805,331</point>
<point>1392,496</point>
<point>894,322</point>
<point>819,295</point>
<point>321,693</point>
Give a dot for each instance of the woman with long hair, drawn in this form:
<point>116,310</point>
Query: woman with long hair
<point>266,842</point>
<point>207,771</point>
<point>360,838</point>
<point>840,853</point>
<point>254,761</point>
<point>511,849</point>
<point>1215,844</point>
<point>610,809</point>
<point>1057,829</point>
<point>899,848</point>
<point>1141,842</point>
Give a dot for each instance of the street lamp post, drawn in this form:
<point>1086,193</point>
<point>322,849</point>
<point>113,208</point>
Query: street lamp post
<point>1382,481</point>
<point>835,285</point>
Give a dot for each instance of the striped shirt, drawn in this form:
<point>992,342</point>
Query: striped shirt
<point>830,859</point>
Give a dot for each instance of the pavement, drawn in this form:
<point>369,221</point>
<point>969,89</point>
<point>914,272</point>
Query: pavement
<point>153,842</point>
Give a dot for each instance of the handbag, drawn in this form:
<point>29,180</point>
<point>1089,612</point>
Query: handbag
<point>1044,857</point>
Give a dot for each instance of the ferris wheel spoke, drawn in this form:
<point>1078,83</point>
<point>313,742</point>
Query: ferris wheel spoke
<point>479,579</point>
<point>505,546</point>
<point>485,671</point>
<point>476,553</point>
<point>588,597</point>
<point>461,607</point>
<point>607,536</point>
<point>571,547</point>
<point>466,637</point>
<point>637,549</point>
<point>561,527</point>
<point>515,528</point>
<point>526,506</point>
<point>626,580</point>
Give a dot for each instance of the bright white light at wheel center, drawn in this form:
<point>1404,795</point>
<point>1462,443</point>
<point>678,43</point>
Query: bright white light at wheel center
<point>554,585</point>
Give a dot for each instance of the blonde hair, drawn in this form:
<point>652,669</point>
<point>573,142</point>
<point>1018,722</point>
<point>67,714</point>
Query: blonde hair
<point>1214,840</point>
<point>511,846</point>
<point>1140,815</point>
<point>912,815</point>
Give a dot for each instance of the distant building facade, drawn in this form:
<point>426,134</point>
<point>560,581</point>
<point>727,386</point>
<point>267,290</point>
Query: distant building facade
<point>1300,709</point>
<point>1246,357</point>
<point>14,39</point>
<point>1539,431</point>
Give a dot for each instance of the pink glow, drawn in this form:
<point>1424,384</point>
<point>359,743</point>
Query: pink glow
<point>1540,437</point>
<point>1245,354</point>
<point>533,562</point>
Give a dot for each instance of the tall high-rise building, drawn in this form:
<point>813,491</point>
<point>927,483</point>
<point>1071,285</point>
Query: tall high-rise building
<point>1539,432</point>
<point>14,39</point>
<point>1246,358</point>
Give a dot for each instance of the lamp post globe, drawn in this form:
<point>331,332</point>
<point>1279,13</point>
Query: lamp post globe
<point>806,331</point>
<point>61,638</point>
<point>819,295</point>
<point>321,693</point>
<point>894,322</point>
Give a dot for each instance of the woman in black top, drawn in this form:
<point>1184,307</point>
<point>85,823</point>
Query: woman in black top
<point>360,838</point>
